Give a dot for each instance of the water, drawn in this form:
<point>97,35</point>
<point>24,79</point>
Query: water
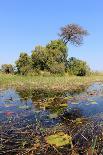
<point>25,122</point>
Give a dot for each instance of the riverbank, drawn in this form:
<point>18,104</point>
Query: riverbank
<point>49,84</point>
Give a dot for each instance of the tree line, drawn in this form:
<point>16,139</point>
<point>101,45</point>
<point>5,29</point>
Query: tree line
<point>53,58</point>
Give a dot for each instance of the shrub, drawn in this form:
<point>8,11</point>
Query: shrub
<point>23,64</point>
<point>25,70</point>
<point>56,68</point>
<point>78,67</point>
<point>7,68</point>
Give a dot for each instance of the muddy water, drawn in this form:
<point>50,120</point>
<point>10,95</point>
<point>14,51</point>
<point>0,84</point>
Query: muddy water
<point>26,123</point>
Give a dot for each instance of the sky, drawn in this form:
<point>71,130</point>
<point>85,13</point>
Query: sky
<point>27,23</point>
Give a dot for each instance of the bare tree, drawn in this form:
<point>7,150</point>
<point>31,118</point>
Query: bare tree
<point>73,33</point>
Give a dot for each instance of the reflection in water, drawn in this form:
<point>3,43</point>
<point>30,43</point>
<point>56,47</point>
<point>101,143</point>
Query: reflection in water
<point>26,118</point>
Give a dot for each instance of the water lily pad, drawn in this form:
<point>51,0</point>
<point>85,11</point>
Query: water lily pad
<point>24,107</point>
<point>8,105</point>
<point>54,115</point>
<point>68,97</point>
<point>75,103</point>
<point>63,105</point>
<point>79,121</point>
<point>93,102</point>
<point>59,139</point>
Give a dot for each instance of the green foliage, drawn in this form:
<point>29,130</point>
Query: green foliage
<point>57,51</point>
<point>56,68</point>
<point>51,58</point>
<point>7,68</point>
<point>57,56</point>
<point>39,58</point>
<point>23,64</point>
<point>78,67</point>
<point>25,70</point>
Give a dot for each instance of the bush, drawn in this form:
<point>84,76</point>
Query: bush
<point>7,68</point>
<point>56,68</point>
<point>23,64</point>
<point>34,72</point>
<point>25,70</point>
<point>78,67</point>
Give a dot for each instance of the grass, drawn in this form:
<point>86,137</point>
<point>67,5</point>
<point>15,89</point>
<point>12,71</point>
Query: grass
<point>48,84</point>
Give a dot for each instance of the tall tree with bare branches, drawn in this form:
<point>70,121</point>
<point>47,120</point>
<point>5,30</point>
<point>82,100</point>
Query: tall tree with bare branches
<point>73,33</point>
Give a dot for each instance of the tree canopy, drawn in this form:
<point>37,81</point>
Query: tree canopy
<point>57,50</point>
<point>39,58</point>
<point>23,64</point>
<point>73,33</point>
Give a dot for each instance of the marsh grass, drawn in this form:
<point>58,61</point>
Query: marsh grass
<point>48,84</point>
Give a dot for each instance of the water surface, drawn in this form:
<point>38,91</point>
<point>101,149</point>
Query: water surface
<point>25,121</point>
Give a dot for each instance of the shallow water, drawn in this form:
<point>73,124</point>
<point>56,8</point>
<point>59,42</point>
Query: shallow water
<point>23,121</point>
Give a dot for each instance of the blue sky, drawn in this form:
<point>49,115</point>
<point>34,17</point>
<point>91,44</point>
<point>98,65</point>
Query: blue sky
<point>27,23</point>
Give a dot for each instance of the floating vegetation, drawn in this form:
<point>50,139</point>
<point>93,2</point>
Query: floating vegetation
<point>79,121</point>
<point>59,139</point>
<point>25,107</point>
<point>8,105</point>
<point>75,103</point>
<point>53,115</point>
<point>93,102</point>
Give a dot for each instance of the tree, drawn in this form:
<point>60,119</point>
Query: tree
<point>57,51</point>
<point>51,58</point>
<point>39,58</point>
<point>57,56</point>
<point>7,68</point>
<point>23,64</point>
<point>73,33</point>
<point>78,67</point>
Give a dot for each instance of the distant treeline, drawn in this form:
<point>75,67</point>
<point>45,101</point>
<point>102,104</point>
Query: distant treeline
<point>53,58</point>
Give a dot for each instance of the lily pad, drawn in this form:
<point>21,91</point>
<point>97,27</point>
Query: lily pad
<point>8,105</point>
<point>75,103</point>
<point>59,139</point>
<point>24,107</point>
<point>54,115</point>
<point>63,105</point>
<point>94,102</point>
<point>79,121</point>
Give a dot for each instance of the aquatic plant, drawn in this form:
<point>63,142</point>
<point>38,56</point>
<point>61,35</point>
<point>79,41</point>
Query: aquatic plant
<point>59,139</point>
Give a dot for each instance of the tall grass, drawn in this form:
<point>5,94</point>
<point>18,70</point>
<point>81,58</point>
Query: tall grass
<point>48,83</point>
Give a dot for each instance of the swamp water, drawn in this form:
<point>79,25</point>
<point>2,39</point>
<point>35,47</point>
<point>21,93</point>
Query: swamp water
<point>66,125</point>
